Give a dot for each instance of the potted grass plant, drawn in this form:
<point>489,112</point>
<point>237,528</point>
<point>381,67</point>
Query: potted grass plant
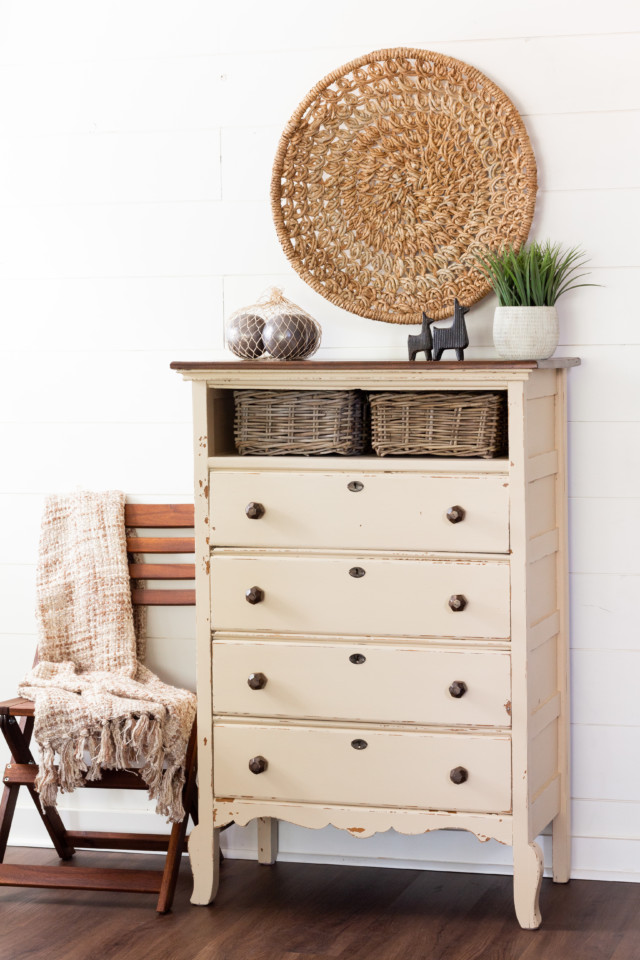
<point>528,281</point>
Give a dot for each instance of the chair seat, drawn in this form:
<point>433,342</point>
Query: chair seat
<point>17,707</point>
<point>25,774</point>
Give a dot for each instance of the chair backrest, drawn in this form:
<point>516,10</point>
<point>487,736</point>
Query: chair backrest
<point>160,516</point>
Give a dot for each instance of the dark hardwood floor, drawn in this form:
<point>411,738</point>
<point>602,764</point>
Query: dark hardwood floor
<point>317,912</point>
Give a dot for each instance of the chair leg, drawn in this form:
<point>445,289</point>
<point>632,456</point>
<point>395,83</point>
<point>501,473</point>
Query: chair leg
<point>18,742</point>
<point>179,830</point>
<point>18,736</point>
<point>8,802</point>
<point>7,809</point>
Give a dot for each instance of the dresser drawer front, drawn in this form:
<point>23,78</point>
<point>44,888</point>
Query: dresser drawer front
<point>371,682</point>
<point>320,765</point>
<point>392,597</point>
<point>386,511</point>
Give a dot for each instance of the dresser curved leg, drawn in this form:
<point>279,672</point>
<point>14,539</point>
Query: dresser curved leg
<point>204,854</point>
<point>528,865</point>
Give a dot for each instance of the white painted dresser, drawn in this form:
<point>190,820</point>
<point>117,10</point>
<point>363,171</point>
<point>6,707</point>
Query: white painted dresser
<point>353,688</point>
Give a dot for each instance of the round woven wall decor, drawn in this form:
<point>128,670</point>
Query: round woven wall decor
<point>391,173</point>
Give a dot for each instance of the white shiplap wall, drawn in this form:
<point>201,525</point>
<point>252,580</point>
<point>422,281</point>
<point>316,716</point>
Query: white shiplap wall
<point>136,139</point>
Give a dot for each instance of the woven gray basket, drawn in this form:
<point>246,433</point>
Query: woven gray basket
<point>304,422</point>
<point>439,424</point>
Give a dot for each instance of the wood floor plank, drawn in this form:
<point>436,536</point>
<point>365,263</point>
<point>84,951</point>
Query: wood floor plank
<point>436,902</point>
<point>628,948</point>
<point>317,912</point>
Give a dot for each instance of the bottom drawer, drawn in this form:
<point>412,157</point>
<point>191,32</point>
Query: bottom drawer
<point>386,768</point>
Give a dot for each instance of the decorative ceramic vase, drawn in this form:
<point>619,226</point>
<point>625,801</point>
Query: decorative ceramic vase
<point>525,333</point>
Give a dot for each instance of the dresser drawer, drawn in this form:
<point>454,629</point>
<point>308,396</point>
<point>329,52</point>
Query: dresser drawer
<point>391,596</point>
<point>385,511</point>
<point>389,768</point>
<point>355,681</point>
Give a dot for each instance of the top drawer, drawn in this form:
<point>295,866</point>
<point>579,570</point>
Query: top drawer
<point>360,510</point>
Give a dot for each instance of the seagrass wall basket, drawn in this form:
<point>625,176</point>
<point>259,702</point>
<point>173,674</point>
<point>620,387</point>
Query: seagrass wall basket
<point>393,171</point>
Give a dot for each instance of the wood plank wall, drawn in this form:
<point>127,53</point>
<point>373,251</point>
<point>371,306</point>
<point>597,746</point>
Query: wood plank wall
<point>136,152</point>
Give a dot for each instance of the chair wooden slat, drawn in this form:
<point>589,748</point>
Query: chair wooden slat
<point>164,598</point>
<point>80,878</point>
<point>161,545</point>
<point>162,571</point>
<point>99,840</point>
<point>25,774</point>
<point>159,515</point>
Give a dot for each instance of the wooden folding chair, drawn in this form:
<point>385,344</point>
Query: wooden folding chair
<point>16,722</point>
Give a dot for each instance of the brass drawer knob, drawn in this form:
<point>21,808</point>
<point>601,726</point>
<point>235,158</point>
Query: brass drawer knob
<point>258,764</point>
<point>457,689</point>
<point>459,775</point>
<point>254,510</point>
<point>357,658</point>
<point>257,681</point>
<point>457,602</point>
<point>357,572</point>
<point>359,744</point>
<point>455,514</point>
<point>254,595</point>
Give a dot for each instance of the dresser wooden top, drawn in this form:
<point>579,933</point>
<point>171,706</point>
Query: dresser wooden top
<point>368,374</point>
<point>426,366</point>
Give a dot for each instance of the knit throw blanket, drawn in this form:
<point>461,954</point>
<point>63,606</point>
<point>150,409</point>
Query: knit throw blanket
<point>96,705</point>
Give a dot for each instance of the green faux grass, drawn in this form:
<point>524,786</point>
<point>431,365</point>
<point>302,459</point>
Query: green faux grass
<point>534,275</point>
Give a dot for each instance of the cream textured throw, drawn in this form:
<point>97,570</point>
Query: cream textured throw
<point>93,696</point>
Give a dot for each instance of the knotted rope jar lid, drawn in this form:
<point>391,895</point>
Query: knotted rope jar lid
<point>393,171</point>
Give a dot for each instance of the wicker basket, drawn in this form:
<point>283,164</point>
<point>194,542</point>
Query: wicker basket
<point>310,423</point>
<point>439,424</point>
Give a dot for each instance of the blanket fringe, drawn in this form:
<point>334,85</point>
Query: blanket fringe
<point>118,744</point>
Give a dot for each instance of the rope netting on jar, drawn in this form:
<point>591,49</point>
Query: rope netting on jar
<point>391,174</point>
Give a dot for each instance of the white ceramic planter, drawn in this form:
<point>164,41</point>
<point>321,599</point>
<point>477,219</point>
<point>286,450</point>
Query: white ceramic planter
<point>525,333</point>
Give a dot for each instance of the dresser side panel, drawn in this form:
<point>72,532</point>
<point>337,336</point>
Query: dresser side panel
<point>519,613</point>
<point>562,821</point>
<point>541,506</point>
<point>542,588</point>
<point>544,556</point>
<point>542,673</point>
<point>203,840</point>
<point>202,446</point>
